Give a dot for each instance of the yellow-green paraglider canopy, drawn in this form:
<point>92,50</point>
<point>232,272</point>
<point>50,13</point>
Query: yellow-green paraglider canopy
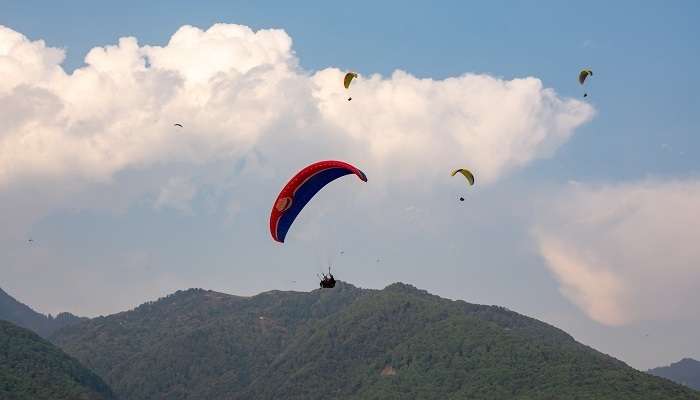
<point>348,78</point>
<point>467,174</point>
<point>585,73</point>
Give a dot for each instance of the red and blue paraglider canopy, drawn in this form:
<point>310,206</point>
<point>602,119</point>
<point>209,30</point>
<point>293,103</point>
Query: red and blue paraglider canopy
<point>301,189</point>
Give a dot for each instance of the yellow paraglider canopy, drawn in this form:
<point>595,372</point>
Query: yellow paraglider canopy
<point>348,78</point>
<point>585,73</point>
<point>467,174</point>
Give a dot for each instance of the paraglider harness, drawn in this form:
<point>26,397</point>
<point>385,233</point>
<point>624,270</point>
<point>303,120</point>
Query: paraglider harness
<point>327,281</point>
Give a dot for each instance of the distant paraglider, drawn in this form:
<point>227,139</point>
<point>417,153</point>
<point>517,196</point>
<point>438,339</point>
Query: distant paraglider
<point>467,174</point>
<point>582,76</point>
<point>180,125</point>
<point>348,79</point>
<point>327,281</point>
<point>301,189</point>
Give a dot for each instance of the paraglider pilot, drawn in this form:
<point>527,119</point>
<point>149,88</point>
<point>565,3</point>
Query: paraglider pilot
<point>327,281</point>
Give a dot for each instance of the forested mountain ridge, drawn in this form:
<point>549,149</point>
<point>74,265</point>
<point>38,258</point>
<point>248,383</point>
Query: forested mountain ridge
<point>345,343</point>
<point>33,369</point>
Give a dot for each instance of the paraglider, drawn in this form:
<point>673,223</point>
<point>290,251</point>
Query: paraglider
<point>467,174</point>
<point>348,79</point>
<point>180,125</point>
<point>301,188</point>
<point>582,76</point>
<point>327,281</point>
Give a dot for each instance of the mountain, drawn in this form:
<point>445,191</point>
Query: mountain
<point>686,372</point>
<point>346,343</point>
<point>22,315</point>
<point>33,369</point>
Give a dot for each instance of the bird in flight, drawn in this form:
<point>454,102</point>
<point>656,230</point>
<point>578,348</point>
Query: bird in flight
<point>180,125</point>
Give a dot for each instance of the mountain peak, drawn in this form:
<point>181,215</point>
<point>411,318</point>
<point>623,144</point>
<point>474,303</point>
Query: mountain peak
<point>686,372</point>
<point>22,315</point>
<point>407,288</point>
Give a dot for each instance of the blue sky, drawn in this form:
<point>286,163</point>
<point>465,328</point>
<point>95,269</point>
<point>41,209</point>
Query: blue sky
<point>645,128</point>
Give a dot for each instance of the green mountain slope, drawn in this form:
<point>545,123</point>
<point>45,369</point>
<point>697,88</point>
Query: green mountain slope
<point>33,369</point>
<point>20,314</point>
<point>346,343</point>
<point>686,372</point>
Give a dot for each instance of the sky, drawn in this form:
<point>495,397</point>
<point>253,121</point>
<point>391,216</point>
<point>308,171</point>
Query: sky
<point>585,213</point>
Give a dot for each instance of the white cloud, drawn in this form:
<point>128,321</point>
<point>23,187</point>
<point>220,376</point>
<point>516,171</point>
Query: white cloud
<point>626,253</point>
<point>234,89</point>
<point>492,125</point>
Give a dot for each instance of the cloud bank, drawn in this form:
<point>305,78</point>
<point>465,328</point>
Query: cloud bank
<point>235,90</point>
<point>628,252</point>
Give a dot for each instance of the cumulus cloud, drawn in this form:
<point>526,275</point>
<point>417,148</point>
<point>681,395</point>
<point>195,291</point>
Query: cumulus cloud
<point>626,253</point>
<point>236,90</point>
